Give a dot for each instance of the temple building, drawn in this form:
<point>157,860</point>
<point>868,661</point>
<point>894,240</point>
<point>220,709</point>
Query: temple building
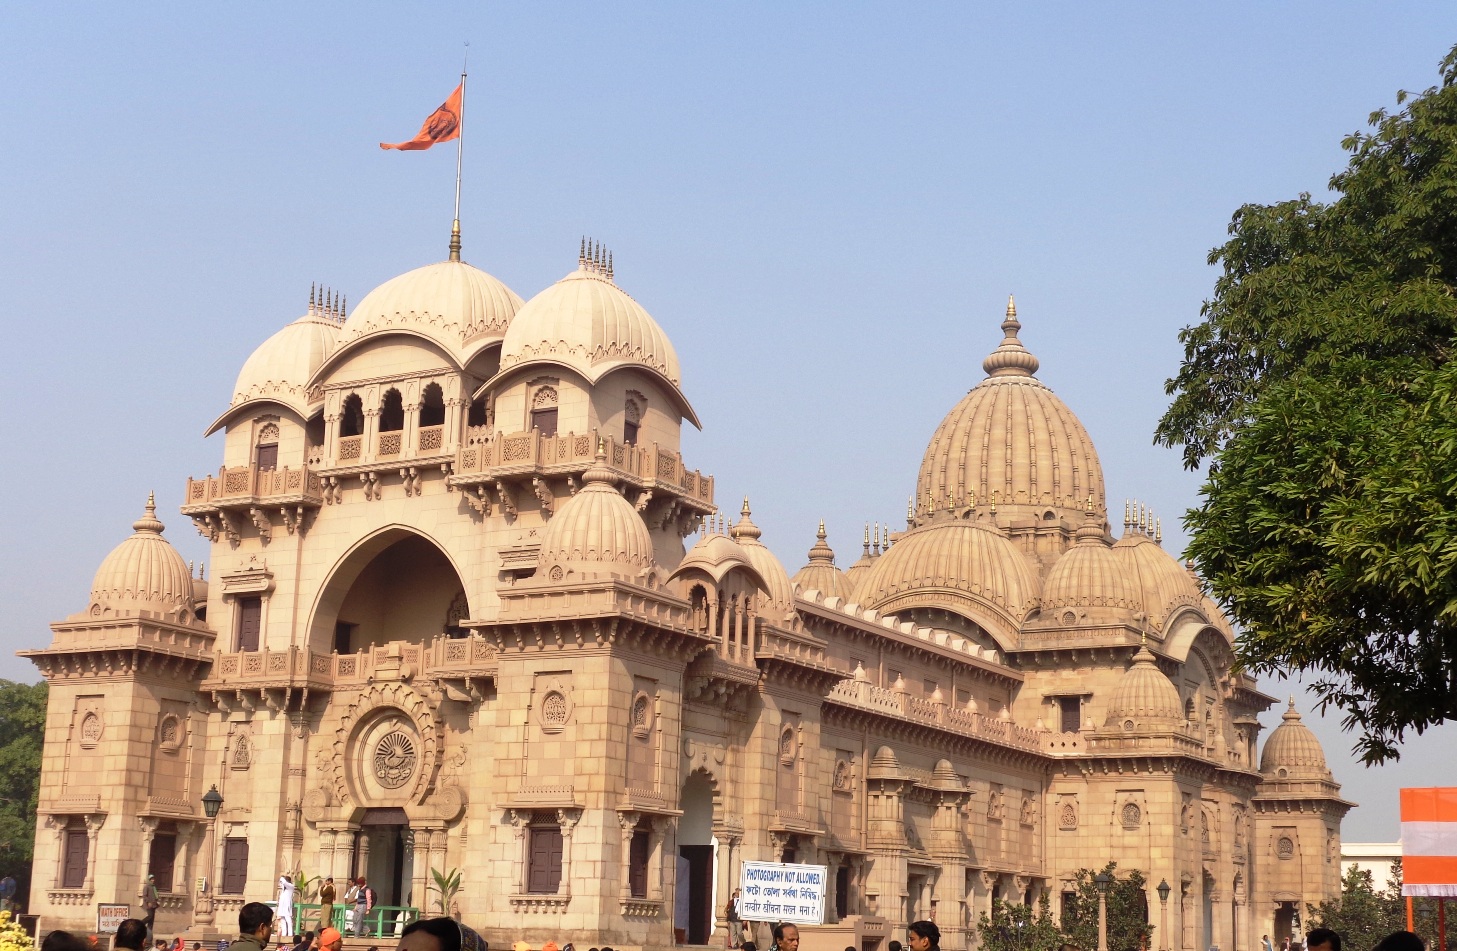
<point>468,607</point>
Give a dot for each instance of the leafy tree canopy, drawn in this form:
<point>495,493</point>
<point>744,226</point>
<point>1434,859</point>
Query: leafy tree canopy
<point>1128,927</point>
<point>1321,391</point>
<point>22,732</point>
<point>1012,927</point>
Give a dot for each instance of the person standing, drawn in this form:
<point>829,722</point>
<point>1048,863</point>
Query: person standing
<point>735,922</point>
<point>285,906</point>
<point>363,903</point>
<point>151,901</point>
<point>327,894</point>
<point>255,927</point>
<point>1265,944</point>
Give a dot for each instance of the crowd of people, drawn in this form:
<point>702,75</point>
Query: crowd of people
<point>259,924</point>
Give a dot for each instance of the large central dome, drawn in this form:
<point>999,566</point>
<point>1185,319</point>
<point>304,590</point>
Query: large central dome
<point>1011,442</point>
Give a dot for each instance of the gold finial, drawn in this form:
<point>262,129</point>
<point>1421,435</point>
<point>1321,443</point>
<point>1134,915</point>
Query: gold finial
<point>455,240</point>
<point>151,502</point>
<point>311,298</point>
<point>344,307</point>
<point>191,567</point>
<point>972,498</point>
<point>609,265</point>
<point>744,509</point>
<point>582,253</point>
<point>821,533</point>
<point>1158,531</point>
<point>875,544</point>
<point>910,508</point>
<point>994,503</point>
<point>867,539</point>
<point>202,570</point>
<point>1143,638</point>
<point>1125,515</point>
<point>1012,306</point>
<point>1090,503</point>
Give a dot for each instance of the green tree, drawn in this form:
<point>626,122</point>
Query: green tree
<point>1128,927</point>
<point>22,733</point>
<point>1320,390</point>
<point>1013,927</point>
<point>1361,915</point>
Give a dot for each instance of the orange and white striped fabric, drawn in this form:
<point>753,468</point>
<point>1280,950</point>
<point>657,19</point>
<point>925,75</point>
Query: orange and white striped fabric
<point>1429,842</point>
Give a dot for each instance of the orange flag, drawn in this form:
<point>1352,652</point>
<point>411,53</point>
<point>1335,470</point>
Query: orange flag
<point>442,126</point>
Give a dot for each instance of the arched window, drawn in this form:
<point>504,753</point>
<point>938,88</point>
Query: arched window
<point>476,415</point>
<point>391,412</point>
<point>432,406</point>
<point>698,598</point>
<point>314,430</point>
<point>351,420</point>
<point>265,452</point>
<point>544,410</point>
<point>631,421</point>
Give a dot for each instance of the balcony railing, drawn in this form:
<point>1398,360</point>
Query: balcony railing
<point>529,451</point>
<point>430,439</point>
<point>897,703</point>
<point>448,658</point>
<point>249,485</point>
<point>351,448</point>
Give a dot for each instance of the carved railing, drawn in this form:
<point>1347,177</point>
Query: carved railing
<point>863,695</point>
<point>351,449</point>
<point>300,668</point>
<point>430,439</point>
<point>530,451</point>
<point>390,443</point>
<point>249,485</point>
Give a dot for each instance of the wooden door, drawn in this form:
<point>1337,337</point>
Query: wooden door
<point>235,866</point>
<point>78,853</point>
<point>250,622</point>
<point>545,873</point>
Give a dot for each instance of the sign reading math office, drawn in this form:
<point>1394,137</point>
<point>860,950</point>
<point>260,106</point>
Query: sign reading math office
<point>110,917</point>
<point>778,892</point>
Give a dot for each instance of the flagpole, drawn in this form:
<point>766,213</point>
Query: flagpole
<point>459,154</point>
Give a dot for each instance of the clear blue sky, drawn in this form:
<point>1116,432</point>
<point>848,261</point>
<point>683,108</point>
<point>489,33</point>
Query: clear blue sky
<point>824,205</point>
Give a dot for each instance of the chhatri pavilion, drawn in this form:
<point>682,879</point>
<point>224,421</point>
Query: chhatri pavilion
<point>468,607</point>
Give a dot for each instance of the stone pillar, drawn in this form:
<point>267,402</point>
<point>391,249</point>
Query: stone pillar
<point>455,422</point>
<point>1219,900</point>
<point>368,451</point>
<point>144,860</point>
<point>1241,923</point>
<point>407,843</point>
<point>419,873</point>
<point>1186,915</point>
<point>437,853</point>
<point>657,866</point>
<point>729,845</point>
<point>520,820</point>
<point>93,828</point>
<point>331,437</point>
<point>361,864</point>
<point>326,852</point>
<point>181,881</point>
<point>343,858</point>
<point>410,435</point>
<point>568,820</point>
<point>627,823</point>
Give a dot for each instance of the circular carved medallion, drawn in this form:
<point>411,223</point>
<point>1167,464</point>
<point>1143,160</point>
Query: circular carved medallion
<point>90,728</point>
<point>394,759</point>
<point>1132,815</point>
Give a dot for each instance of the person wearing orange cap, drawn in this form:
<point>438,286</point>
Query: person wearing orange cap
<point>330,939</point>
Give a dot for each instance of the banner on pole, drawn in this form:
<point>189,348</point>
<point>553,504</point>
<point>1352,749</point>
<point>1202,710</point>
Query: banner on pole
<point>1429,842</point>
<point>781,892</point>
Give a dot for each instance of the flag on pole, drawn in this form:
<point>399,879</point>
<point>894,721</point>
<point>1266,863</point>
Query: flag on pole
<point>442,126</point>
<point>1429,842</point>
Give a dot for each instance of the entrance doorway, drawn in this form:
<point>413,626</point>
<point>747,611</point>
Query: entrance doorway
<point>696,861</point>
<point>1284,922</point>
<point>385,865</point>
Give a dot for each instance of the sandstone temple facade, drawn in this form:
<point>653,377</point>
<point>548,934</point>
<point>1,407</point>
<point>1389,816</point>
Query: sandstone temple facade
<point>467,607</point>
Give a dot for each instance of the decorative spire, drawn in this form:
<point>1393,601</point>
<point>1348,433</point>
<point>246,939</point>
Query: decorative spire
<point>344,307</point>
<point>746,527</point>
<point>311,298</point>
<point>609,265</point>
<point>1290,712</point>
<point>1010,358</point>
<point>1158,531</point>
<point>910,511</point>
<point>821,553</point>
<point>867,540</point>
<point>582,253</point>
<point>149,522</point>
<point>875,541</point>
<point>455,240</point>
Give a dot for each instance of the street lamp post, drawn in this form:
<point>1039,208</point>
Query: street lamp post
<point>1102,880</point>
<point>1163,891</point>
<point>212,802</point>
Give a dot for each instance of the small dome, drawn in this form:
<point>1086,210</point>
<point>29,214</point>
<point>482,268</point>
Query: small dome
<point>1143,694</point>
<point>779,593</point>
<point>586,322</point>
<point>1292,751</point>
<point>598,526</point>
<point>716,555</point>
<point>821,574</point>
<point>144,573</point>
<point>1089,575</point>
<point>199,586</point>
<point>1163,584</point>
<point>458,307</point>
<point>280,369</point>
<point>967,561</point>
<point>884,764</point>
<point>1010,441</point>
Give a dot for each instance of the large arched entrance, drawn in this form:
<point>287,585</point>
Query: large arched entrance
<point>394,586</point>
<point>693,903</point>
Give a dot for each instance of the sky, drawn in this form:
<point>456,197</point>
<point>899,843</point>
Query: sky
<point>824,205</point>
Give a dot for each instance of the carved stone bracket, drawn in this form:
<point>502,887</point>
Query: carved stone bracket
<point>508,500</point>
<point>543,495</point>
<point>479,500</point>
<point>372,489</point>
<point>261,522</point>
<point>411,478</point>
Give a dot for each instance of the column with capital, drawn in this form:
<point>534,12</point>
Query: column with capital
<point>568,819</point>
<point>149,835</point>
<point>1241,922</point>
<point>520,819</point>
<point>1219,902</point>
<point>93,829</point>
<point>627,823</point>
<point>661,826</point>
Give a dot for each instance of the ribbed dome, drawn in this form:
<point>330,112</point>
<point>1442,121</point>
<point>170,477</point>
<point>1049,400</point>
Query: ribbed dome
<point>1143,694</point>
<point>1292,747</point>
<point>1089,575</point>
<point>821,574</point>
<point>780,594</point>
<point>716,555</point>
<point>588,323</point>
<point>281,368</point>
<point>966,561</point>
<point>1012,442</point>
<point>459,307</point>
<point>1163,584</point>
<point>144,573</point>
<point>598,526</point>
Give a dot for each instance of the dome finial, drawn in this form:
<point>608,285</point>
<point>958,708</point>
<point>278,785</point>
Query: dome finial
<point>609,265</point>
<point>311,298</point>
<point>455,240</point>
<point>149,523</point>
<point>821,533</point>
<point>744,509</point>
<point>867,540</point>
<point>821,553</point>
<point>1010,358</point>
<point>582,253</point>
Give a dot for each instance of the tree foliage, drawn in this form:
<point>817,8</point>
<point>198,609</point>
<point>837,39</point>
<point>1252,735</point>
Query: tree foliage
<point>1012,927</point>
<point>1361,915</point>
<point>1319,388</point>
<point>1128,927</point>
<point>22,733</point>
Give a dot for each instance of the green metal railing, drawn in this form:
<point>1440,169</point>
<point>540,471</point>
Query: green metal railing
<point>381,921</point>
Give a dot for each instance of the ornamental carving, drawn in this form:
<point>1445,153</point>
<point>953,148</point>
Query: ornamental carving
<point>395,758</point>
<point>786,746</point>
<point>1285,847</point>
<point>642,716</point>
<point>169,734</point>
<point>242,753</point>
<point>1067,817</point>
<point>90,729</point>
<point>842,776</point>
<point>1131,815</point>
<point>554,709</point>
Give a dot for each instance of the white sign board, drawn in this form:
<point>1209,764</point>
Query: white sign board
<point>778,892</point>
<point>110,917</point>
